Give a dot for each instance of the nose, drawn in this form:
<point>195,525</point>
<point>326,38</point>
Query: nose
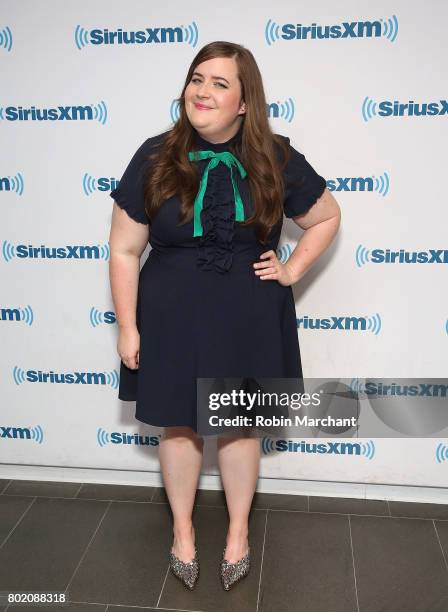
<point>202,90</point>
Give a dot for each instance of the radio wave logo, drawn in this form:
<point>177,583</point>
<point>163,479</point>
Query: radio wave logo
<point>368,108</point>
<point>357,387</point>
<point>96,317</point>
<point>6,38</point>
<point>17,314</point>
<point>177,34</point>
<point>362,256</point>
<point>18,375</point>
<point>390,28</point>
<point>382,184</point>
<point>81,37</point>
<point>22,251</point>
<point>174,111</point>
<point>271,32</point>
<point>368,449</point>
<point>26,315</point>
<point>8,250</point>
<point>374,324</point>
<point>267,445</point>
<point>191,34</point>
<point>282,110</point>
<point>100,112</point>
<point>102,437</point>
<point>13,183</point>
<point>442,452</point>
<point>37,434</point>
<point>88,184</point>
<point>284,252</point>
<point>386,28</point>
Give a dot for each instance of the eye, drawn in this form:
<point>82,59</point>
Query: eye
<point>195,79</point>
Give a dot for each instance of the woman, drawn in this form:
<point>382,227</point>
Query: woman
<point>212,299</point>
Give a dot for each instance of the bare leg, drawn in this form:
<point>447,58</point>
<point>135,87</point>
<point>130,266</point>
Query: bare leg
<point>180,455</point>
<point>239,463</point>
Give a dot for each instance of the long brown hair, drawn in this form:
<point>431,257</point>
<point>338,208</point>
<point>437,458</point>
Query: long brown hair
<point>172,173</point>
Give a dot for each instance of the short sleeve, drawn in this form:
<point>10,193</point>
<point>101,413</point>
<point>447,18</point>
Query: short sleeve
<point>129,193</point>
<point>303,185</point>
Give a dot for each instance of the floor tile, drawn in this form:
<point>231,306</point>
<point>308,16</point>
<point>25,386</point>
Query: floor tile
<point>11,509</point>
<point>347,505</point>
<point>44,488</point>
<point>410,509</point>
<point>273,501</point>
<point>441,528</point>
<point>115,492</point>
<point>3,484</point>
<point>399,565</point>
<point>128,557</point>
<point>307,564</point>
<point>46,546</point>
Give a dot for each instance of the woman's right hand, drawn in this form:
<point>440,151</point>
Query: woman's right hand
<point>128,346</point>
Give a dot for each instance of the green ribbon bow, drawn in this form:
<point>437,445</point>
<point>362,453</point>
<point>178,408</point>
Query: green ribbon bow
<point>229,160</point>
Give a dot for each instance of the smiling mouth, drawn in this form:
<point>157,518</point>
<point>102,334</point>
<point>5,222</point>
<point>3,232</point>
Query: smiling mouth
<point>202,107</point>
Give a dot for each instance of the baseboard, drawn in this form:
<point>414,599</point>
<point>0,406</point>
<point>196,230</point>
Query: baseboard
<point>391,492</point>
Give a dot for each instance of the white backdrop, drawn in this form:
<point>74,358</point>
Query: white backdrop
<point>330,96</point>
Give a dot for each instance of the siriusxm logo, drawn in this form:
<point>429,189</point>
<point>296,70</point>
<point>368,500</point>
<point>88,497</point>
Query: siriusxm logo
<point>91,184</point>
<point>347,323</point>
<point>12,183</point>
<point>21,376</point>
<point>28,251</point>
<point>386,28</point>
<point>103,437</point>
<point>365,449</point>
<point>164,35</point>
<point>402,256</point>
<point>274,110</point>
<point>369,183</point>
<point>35,434</point>
<point>96,317</point>
<point>88,112</point>
<point>396,389</point>
<point>17,314</point>
<point>6,39</point>
<point>387,108</point>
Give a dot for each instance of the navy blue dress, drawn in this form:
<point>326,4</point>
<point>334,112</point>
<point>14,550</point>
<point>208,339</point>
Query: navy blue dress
<point>201,309</point>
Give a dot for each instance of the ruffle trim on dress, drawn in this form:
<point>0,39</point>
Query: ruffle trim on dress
<point>215,247</point>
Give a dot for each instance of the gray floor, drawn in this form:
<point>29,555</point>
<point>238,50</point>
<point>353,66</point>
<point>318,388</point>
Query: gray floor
<point>107,547</point>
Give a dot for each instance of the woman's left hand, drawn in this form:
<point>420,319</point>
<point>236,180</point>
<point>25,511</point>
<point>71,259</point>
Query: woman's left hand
<point>272,269</point>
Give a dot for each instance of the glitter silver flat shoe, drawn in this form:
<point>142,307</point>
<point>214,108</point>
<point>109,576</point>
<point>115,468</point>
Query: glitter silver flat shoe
<point>187,572</point>
<point>231,573</point>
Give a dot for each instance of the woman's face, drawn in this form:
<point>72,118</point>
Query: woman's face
<point>215,85</point>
